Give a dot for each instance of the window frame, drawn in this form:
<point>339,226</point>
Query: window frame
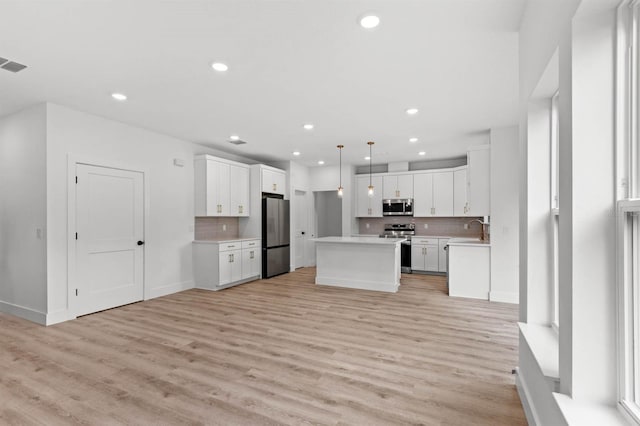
<point>554,169</point>
<point>628,208</point>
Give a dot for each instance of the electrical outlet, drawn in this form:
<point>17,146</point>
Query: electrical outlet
<point>224,226</point>
<point>366,225</point>
<point>426,226</point>
<point>466,226</point>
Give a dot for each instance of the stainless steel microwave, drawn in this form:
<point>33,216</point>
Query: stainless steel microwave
<point>397,207</point>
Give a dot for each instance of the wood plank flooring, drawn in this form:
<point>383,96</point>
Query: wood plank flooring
<point>278,351</point>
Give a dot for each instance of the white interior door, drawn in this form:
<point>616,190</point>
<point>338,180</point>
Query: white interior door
<point>109,239</point>
<point>301,228</point>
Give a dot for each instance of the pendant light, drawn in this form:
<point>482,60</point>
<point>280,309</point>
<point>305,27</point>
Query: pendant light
<point>340,185</point>
<point>370,189</point>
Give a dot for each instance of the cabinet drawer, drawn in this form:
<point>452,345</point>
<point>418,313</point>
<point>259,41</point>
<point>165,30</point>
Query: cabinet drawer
<point>427,241</point>
<point>250,244</point>
<point>232,245</point>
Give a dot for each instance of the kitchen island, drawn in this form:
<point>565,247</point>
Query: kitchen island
<point>359,262</point>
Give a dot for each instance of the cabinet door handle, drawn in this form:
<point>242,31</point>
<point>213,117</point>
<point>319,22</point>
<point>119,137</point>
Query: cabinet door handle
<point>275,187</point>
<point>230,259</point>
<point>251,255</point>
<point>240,209</point>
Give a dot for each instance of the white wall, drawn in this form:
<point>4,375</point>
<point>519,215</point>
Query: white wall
<point>169,228</point>
<point>23,259</point>
<point>585,41</point>
<point>327,179</point>
<point>504,214</point>
<point>328,213</point>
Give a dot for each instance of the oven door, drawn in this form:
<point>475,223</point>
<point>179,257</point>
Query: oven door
<point>405,257</point>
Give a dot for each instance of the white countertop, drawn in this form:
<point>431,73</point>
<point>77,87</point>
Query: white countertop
<point>469,242</point>
<point>359,240</point>
<point>224,240</point>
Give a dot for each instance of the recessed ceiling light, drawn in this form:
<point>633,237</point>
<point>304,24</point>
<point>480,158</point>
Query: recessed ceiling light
<point>296,153</point>
<point>308,126</point>
<point>369,21</point>
<point>422,153</point>
<point>412,111</point>
<point>413,140</point>
<point>119,96</point>
<point>321,162</point>
<point>367,158</point>
<point>219,66</point>
<point>234,137</point>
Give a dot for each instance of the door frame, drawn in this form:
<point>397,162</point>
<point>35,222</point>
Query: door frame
<point>72,161</point>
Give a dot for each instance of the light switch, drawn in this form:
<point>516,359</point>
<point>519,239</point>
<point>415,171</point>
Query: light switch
<point>466,226</point>
<point>366,225</point>
<point>39,233</point>
<point>224,226</point>
<point>426,226</point>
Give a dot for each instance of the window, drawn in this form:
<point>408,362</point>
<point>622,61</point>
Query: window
<point>628,190</point>
<point>554,208</point>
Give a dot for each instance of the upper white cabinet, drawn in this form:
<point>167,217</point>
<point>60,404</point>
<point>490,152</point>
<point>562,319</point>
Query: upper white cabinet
<point>221,187</point>
<point>433,194</point>
<point>397,186</point>
<point>368,206</point>
<point>479,180</point>
<point>239,194</point>
<point>460,206</point>
<point>273,181</point>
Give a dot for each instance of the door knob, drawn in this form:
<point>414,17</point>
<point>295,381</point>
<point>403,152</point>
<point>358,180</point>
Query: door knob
<point>140,243</point>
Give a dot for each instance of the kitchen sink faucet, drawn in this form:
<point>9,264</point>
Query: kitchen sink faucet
<point>485,231</point>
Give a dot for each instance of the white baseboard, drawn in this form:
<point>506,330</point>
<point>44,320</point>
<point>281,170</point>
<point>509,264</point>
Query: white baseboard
<point>525,399</point>
<point>23,312</point>
<point>58,317</point>
<point>504,296</point>
<point>359,284</point>
<point>169,289</point>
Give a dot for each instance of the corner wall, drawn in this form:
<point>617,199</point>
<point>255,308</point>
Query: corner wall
<point>23,257</point>
<point>504,215</point>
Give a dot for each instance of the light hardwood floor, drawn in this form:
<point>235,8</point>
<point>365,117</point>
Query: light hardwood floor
<point>278,351</point>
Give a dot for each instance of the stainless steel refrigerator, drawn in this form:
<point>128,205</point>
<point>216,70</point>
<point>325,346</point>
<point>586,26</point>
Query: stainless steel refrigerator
<point>275,237</point>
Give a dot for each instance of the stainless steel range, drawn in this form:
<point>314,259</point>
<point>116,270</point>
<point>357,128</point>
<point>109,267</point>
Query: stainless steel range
<point>401,230</point>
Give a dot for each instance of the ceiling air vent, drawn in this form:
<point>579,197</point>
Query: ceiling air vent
<point>238,142</point>
<point>12,66</point>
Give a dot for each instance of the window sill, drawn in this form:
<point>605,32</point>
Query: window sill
<point>543,343</point>
<point>579,413</point>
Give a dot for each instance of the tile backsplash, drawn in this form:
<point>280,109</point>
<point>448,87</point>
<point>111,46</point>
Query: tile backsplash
<point>215,228</point>
<point>436,226</point>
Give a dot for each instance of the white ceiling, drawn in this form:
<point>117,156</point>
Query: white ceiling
<point>290,62</point>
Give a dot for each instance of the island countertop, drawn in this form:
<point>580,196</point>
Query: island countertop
<point>360,240</point>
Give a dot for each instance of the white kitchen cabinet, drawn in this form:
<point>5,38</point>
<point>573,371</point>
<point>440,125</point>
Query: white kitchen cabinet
<point>251,264</point>
<point>273,181</point>
<point>469,269</point>
<point>221,264</point>
<point>479,180</point>
<point>460,206</point>
<point>433,194</point>
<point>221,187</point>
<point>368,206</point>
<point>428,254</point>
<point>442,254</point>
<point>239,193</point>
<point>424,254</point>
<point>397,186</point>
<point>230,263</point>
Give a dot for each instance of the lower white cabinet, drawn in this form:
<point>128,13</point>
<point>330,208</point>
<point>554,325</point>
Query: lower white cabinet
<point>428,254</point>
<point>220,264</point>
<point>251,265</point>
